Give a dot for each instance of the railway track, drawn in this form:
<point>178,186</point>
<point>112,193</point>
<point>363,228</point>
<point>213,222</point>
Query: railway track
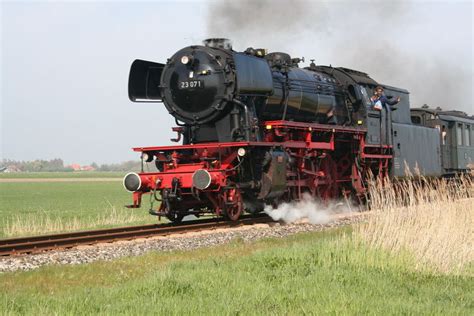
<point>36,244</point>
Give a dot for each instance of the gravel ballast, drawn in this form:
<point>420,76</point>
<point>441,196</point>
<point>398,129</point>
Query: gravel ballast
<point>187,241</point>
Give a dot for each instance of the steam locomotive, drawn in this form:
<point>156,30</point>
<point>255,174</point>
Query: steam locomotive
<point>257,129</point>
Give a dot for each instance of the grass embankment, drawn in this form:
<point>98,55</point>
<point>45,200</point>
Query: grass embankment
<point>50,207</point>
<point>312,273</point>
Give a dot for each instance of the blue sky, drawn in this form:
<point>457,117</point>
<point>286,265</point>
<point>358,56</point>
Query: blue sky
<point>64,67</point>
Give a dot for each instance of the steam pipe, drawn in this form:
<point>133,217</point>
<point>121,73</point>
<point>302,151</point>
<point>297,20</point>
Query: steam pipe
<point>235,119</point>
<point>286,90</point>
<point>246,117</point>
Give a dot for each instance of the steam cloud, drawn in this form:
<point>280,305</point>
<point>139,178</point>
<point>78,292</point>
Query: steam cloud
<point>367,36</point>
<point>306,208</point>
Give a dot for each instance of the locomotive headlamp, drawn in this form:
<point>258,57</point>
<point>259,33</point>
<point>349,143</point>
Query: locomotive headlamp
<point>158,182</point>
<point>241,152</point>
<point>146,157</point>
<point>185,60</point>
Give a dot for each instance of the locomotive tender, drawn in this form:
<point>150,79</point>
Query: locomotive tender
<point>257,129</point>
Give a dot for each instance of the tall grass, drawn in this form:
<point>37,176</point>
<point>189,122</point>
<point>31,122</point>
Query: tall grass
<point>432,219</point>
<point>32,224</point>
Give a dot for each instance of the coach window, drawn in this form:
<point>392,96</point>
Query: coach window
<point>472,135</point>
<point>459,134</point>
<point>467,136</point>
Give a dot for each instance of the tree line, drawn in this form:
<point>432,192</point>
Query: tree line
<point>57,165</point>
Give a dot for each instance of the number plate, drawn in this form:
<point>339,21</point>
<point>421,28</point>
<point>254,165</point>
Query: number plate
<point>191,84</point>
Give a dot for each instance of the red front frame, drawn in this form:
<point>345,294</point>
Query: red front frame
<point>298,140</point>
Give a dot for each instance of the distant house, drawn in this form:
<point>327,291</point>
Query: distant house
<point>87,168</point>
<point>78,167</point>
<point>9,169</point>
<point>75,167</point>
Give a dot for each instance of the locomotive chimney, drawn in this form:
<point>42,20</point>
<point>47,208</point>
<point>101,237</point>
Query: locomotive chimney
<point>218,43</point>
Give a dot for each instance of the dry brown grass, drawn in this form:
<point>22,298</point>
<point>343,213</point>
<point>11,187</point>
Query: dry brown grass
<point>432,220</point>
<point>26,225</point>
<point>471,167</point>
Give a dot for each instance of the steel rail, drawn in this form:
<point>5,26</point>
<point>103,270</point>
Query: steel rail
<point>35,244</point>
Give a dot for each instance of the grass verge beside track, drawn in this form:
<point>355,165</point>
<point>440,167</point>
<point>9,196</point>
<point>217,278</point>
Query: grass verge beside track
<point>50,207</point>
<point>311,273</point>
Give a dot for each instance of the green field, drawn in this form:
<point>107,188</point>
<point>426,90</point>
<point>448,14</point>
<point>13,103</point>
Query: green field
<point>79,174</point>
<point>312,273</point>
<point>48,207</point>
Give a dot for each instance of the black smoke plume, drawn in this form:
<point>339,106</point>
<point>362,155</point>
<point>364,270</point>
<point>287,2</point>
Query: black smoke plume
<point>363,35</point>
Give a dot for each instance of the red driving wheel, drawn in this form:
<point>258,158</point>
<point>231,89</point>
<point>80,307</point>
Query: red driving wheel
<point>233,205</point>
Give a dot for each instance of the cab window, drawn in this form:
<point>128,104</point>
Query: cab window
<point>416,120</point>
